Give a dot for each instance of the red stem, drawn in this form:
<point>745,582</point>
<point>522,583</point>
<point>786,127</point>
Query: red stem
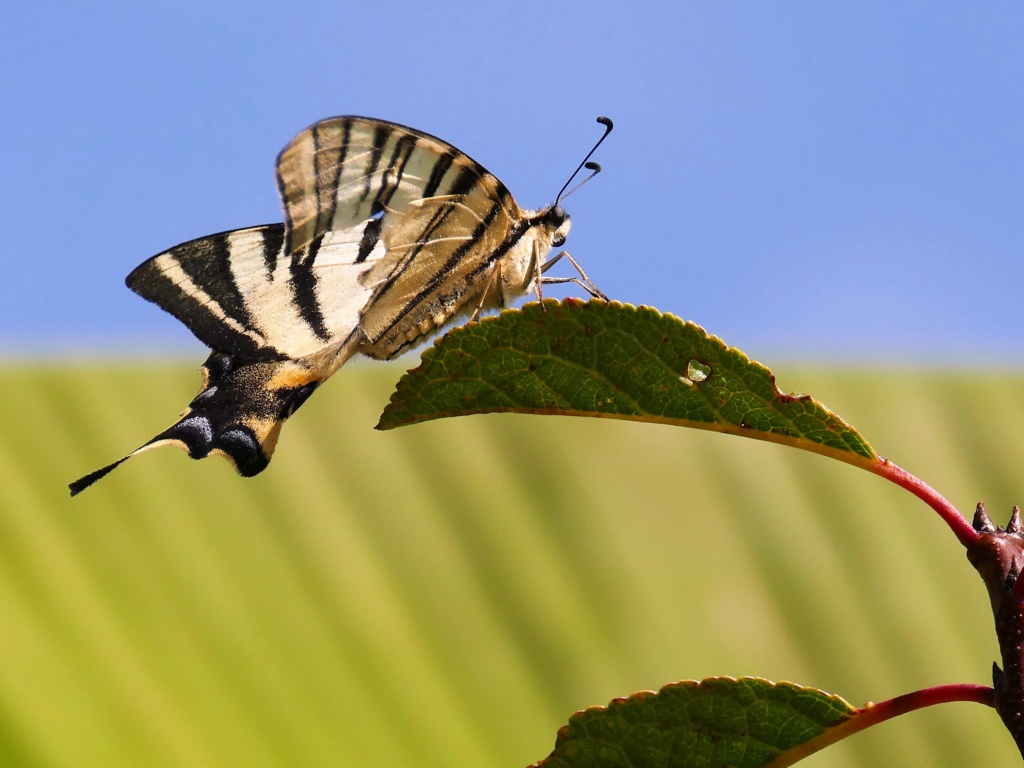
<point>959,524</point>
<point>873,714</point>
<point>940,694</point>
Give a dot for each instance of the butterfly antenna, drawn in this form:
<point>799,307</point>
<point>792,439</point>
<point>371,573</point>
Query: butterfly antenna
<point>593,167</point>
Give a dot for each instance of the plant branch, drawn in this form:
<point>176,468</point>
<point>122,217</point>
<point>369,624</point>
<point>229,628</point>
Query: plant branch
<point>998,556</point>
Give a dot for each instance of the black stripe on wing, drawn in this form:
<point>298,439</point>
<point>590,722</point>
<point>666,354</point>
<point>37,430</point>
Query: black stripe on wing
<point>273,246</point>
<point>393,173</point>
<point>444,162</point>
<point>371,235</point>
<point>381,134</point>
<point>328,162</point>
<point>194,282</point>
<point>304,296</point>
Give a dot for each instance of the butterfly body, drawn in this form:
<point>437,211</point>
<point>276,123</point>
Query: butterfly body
<point>389,234</point>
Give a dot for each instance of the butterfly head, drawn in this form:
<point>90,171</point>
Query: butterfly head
<point>558,223</point>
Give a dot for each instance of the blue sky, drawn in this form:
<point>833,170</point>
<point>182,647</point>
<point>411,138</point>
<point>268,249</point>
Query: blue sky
<point>821,180</point>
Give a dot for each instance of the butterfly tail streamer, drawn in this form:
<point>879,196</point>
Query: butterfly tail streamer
<point>237,414</point>
<point>84,482</point>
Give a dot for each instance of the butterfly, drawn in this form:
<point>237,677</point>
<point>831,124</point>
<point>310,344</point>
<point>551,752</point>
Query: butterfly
<point>389,234</point>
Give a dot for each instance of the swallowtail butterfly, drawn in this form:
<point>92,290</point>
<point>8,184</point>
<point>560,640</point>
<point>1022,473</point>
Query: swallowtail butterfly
<point>389,234</point>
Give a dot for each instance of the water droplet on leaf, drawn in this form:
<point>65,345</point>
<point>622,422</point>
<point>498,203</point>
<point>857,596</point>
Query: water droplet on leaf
<point>696,371</point>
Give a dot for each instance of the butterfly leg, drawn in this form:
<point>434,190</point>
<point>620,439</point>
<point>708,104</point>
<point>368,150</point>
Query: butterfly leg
<point>537,277</point>
<point>582,281</point>
<point>495,273</point>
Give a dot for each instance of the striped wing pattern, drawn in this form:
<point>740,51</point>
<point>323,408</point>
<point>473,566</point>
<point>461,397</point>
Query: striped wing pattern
<point>389,233</point>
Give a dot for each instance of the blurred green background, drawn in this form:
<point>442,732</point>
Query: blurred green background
<point>447,594</point>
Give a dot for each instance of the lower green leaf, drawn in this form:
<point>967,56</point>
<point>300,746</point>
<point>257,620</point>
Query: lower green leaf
<point>715,723</point>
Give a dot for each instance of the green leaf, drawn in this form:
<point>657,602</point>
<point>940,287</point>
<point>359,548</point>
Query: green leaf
<point>613,360</point>
<point>720,721</point>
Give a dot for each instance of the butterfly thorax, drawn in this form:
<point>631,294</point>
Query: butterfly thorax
<point>519,268</point>
<point>490,271</point>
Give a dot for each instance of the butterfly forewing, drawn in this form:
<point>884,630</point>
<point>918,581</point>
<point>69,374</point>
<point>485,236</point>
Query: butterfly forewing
<point>345,170</point>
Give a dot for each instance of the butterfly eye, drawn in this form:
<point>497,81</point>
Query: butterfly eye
<point>558,220</point>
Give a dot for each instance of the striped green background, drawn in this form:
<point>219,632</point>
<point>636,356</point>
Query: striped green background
<point>447,594</point>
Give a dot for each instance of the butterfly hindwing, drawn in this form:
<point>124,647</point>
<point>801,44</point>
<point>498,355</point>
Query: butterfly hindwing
<point>238,292</point>
<point>199,283</point>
